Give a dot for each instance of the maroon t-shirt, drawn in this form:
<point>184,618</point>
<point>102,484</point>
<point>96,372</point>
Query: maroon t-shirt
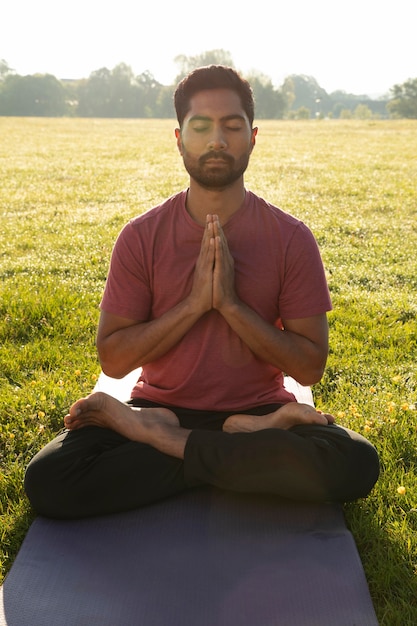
<point>278,273</point>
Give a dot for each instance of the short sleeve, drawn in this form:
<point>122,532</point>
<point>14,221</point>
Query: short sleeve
<point>304,290</point>
<point>127,292</point>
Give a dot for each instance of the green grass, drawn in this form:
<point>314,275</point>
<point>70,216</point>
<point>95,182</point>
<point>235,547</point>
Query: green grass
<point>68,186</point>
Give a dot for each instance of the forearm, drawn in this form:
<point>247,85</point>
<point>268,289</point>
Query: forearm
<point>295,354</point>
<point>299,350</point>
<point>124,345</point>
<point>132,346</point>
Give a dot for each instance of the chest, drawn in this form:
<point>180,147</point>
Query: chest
<point>257,270</point>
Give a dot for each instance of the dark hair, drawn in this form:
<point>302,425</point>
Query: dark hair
<point>212,77</point>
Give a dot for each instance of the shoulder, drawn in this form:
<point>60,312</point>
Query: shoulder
<point>159,212</point>
<point>260,205</point>
<point>144,227</point>
<point>286,223</point>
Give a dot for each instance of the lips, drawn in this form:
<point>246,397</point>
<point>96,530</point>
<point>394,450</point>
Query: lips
<point>215,158</point>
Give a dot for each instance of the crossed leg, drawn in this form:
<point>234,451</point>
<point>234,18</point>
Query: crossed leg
<point>115,457</point>
<point>159,427</point>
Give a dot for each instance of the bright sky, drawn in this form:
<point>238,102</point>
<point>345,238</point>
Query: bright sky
<point>359,46</point>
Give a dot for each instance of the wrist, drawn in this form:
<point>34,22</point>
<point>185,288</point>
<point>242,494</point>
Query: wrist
<point>194,307</point>
<point>230,309</point>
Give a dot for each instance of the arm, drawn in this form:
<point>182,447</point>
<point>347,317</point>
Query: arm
<point>299,350</point>
<point>125,344</point>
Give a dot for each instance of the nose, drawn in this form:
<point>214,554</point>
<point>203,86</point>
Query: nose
<point>217,140</point>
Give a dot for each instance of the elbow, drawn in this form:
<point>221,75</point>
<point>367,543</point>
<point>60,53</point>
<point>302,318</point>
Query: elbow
<point>111,371</point>
<point>309,376</point>
<point>312,379</point>
<point>313,371</point>
<point>109,367</point>
<point>110,364</point>
<point>115,366</point>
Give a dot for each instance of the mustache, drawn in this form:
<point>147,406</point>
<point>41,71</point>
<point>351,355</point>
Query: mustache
<point>215,154</point>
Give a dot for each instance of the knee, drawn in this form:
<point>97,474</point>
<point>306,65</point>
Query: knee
<point>35,483</point>
<point>371,466</point>
<point>42,485</point>
<point>362,471</point>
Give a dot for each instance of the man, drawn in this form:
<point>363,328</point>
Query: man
<point>214,293</point>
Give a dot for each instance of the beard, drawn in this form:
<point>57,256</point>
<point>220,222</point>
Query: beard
<point>212,176</point>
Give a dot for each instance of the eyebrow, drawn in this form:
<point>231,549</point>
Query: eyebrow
<point>226,118</point>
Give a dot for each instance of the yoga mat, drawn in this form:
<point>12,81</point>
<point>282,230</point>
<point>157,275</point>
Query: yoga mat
<point>203,558</point>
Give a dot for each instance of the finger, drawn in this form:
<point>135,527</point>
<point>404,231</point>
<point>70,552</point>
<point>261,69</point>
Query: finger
<point>218,230</point>
<point>330,418</point>
<point>71,423</point>
<point>206,254</point>
<point>327,416</point>
<point>219,253</point>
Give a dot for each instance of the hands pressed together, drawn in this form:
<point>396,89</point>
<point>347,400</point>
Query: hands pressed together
<point>214,276</point>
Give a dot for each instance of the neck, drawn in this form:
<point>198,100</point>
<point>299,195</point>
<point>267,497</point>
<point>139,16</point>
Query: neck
<point>222,202</point>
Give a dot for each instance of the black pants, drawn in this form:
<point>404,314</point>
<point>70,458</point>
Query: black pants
<point>95,471</point>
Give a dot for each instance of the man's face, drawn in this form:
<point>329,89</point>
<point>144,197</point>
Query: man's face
<point>216,139</point>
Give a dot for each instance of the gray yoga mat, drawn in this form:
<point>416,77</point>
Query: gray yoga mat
<point>205,558</point>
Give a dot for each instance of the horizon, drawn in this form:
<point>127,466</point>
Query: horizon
<point>374,96</point>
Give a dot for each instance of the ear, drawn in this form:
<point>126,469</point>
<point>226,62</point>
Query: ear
<point>253,137</point>
<point>179,141</point>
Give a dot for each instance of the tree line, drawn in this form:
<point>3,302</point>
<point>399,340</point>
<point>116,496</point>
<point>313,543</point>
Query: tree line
<point>119,93</point>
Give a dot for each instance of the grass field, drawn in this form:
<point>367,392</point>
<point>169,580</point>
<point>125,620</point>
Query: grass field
<point>68,186</point>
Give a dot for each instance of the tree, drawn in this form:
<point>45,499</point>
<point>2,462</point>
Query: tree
<point>345,114</point>
<point>5,69</point>
<point>118,93</point>
<point>95,94</point>
<point>211,57</point>
<point>307,93</point>
<point>303,113</point>
<point>362,112</point>
<point>343,101</point>
<point>109,93</point>
<point>148,93</point>
<point>404,103</point>
<point>38,95</point>
<point>270,102</point>
<point>164,105</point>
<point>287,89</point>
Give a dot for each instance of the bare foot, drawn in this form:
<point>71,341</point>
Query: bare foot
<point>285,417</point>
<point>157,427</point>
